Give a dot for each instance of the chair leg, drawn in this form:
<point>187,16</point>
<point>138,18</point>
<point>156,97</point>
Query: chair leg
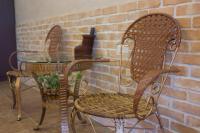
<point>12,81</point>
<point>83,121</point>
<point>72,120</point>
<point>159,121</point>
<point>41,118</point>
<point>18,97</point>
<point>14,99</point>
<point>119,125</point>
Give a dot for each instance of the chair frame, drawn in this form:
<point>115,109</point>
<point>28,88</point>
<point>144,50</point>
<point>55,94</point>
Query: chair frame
<point>147,79</point>
<point>15,75</point>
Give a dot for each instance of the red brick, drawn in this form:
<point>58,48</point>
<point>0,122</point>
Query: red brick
<point>191,34</point>
<point>194,97</point>
<point>196,22</point>
<point>166,10</point>
<point>190,9</point>
<point>114,36</point>
<point>87,22</point>
<point>102,36</point>
<point>101,68</point>
<point>128,7</point>
<point>100,53</point>
<point>188,59</point>
<point>172,114</point>
<point>154,119</point>
<point>110,10</point>
<point>83,15</point>
<point>118,18</point>
<point>96,12</point>
<point>164,101</point>
<point>77,37</point>
<point>102,20</point>
<point>110,45</point>
<point>184,22</point>
<point>183,70</point>
<point>136,15</point>
<point>195,47</point>
<point>146,125</point>
<point>73,16</point>
<point>187,83</point>
<point>175,93</point>
<point>112,54</point>
<point>84,29</point>
<point>123,26</point>
<point>174,2</point>
<point>182,128</point>
<point>193,121</point>
<point>142,4</point>
<point>195,72</point>
<point>101,28</point>
<point>165,131</point>
<point>186,107</point>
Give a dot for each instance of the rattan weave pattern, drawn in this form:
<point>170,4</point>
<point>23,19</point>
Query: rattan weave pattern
<point>14,76</point>
<point>153,35</point>
<point>110,105</point>
<point>54,35</point>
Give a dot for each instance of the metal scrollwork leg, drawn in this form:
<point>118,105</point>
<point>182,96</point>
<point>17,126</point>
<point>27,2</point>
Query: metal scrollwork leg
<point>42,116</point>
<point>72,120</point>
<point>12,80</point>
<point>159,120</point>
<point>119,125</point>
<point>18,97</point>
<point>76,96</point>
<point>80,117</point>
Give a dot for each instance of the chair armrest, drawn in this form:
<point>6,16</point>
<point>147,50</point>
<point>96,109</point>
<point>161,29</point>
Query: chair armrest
<point>79,65</point>
<point>76,65</point>
<point>147,80</point>
<point>15,53</point>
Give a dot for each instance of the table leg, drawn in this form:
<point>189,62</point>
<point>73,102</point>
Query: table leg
<point>18,97</point>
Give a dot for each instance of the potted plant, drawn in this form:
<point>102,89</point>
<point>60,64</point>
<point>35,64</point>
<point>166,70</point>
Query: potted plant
<point>50,83</point>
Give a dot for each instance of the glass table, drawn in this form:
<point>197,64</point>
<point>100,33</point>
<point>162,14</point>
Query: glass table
<point>27,68</point>
<point>63,68</point>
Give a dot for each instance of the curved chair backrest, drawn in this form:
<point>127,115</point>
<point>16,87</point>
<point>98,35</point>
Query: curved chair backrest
<point>153,35</point>
<point>54,37</point>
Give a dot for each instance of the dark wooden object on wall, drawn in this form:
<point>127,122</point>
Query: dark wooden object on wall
<point>84,51</point>
<point>7,35</point>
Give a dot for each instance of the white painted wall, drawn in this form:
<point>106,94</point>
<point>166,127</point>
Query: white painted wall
<point>31,10</point>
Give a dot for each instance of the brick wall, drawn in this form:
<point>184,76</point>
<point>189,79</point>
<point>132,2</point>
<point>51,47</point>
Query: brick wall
<point>180,101</point>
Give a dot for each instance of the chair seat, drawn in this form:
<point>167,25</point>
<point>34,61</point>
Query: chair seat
<point>18,73</point>
<point>110,105</point>
<point>23,73</point>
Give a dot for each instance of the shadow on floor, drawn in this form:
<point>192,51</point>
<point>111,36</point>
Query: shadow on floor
<point>31,106</point>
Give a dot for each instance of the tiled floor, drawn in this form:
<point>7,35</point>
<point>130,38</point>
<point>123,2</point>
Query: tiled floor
<point>31,105</point>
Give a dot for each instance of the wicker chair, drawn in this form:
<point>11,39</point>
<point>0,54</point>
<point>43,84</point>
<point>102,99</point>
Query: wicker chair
<point>153,36</point>
<point>50,95</point>
<point>50,52</point>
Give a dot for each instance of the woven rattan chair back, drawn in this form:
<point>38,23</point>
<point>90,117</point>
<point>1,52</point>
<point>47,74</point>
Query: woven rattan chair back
<point>149,39</point>
<point>153,35</point>
<point>54,36</point>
